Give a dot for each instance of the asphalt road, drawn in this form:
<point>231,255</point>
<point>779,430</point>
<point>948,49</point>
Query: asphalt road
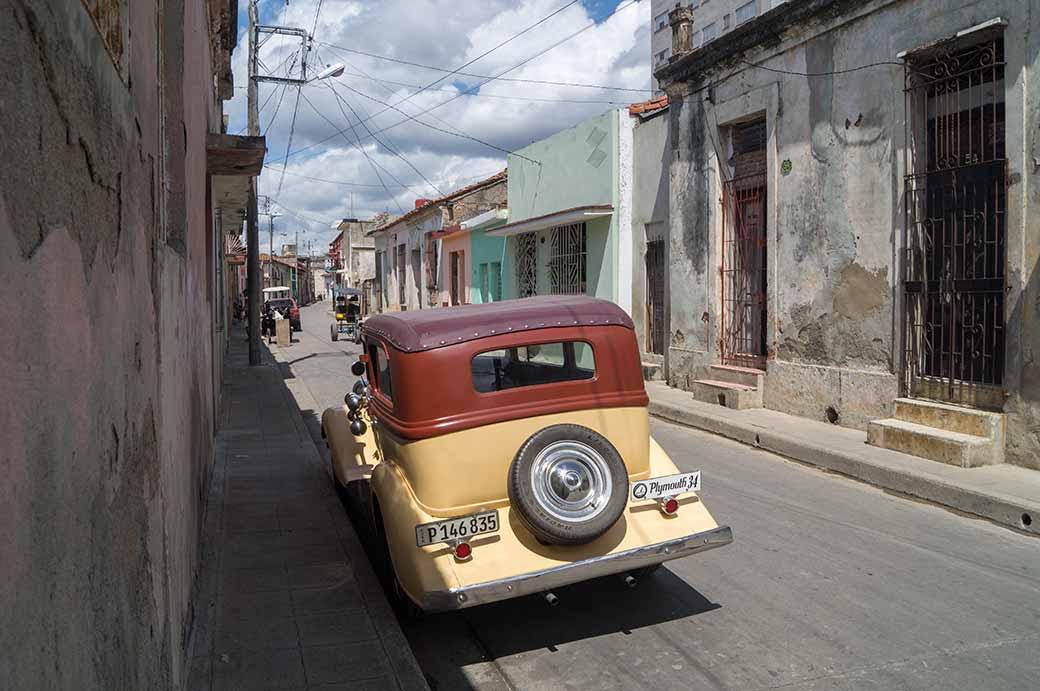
<point>829,584</point>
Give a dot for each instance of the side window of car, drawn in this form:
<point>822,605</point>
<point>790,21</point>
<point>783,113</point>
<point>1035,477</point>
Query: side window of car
<point>381,367</point>
<point>531,365</point>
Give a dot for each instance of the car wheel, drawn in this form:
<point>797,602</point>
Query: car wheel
<point>333,332</point>
<point>568,484</point>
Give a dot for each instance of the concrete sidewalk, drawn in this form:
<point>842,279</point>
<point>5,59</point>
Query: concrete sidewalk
<point>1005,494</point>
<point>287,598</point>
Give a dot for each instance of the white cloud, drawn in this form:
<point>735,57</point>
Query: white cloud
<point>445,33</point>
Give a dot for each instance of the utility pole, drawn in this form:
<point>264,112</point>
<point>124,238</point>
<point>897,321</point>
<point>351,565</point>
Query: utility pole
<point>252,231</point>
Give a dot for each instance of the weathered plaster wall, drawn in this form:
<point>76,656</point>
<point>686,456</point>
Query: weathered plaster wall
<point>836,219</point>
<point>651,150</point>
<point>576,169</point>
<point>108,417</point>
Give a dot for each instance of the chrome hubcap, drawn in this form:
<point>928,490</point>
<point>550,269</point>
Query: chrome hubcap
<point>571,481</point>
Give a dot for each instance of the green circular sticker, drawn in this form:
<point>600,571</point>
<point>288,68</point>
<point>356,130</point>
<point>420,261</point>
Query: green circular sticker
<point>786,166</point>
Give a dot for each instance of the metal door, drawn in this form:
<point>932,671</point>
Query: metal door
<point>655,316</point>
<point>956,199</point>
<point>743,338</point>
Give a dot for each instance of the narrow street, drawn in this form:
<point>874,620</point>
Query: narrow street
<point>829,584</point>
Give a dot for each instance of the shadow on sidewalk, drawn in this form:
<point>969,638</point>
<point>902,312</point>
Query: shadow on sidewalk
<point>287,598</point>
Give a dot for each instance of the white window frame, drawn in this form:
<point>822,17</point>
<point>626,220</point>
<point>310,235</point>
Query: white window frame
<point>660,25</point>
<point>753,6</point>
<point>714,32</point>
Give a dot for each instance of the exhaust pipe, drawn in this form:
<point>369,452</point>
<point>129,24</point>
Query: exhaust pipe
<point>551,599</point>
<point>630,580</point>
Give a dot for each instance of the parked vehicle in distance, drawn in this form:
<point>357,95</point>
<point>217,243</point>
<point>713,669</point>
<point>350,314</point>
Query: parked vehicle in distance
<point>505,450</point>
<point>280,298</point>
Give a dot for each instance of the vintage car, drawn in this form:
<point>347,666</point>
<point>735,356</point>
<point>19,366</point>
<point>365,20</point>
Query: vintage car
<point>504,449</point>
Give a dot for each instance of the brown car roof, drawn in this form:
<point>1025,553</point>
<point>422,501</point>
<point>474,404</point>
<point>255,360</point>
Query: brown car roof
<point>442,326</point>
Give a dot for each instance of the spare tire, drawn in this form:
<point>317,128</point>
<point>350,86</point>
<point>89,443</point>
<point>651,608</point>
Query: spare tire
<point>568,484</point>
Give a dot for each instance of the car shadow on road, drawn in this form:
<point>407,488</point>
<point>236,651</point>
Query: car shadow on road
<point>588,610</point>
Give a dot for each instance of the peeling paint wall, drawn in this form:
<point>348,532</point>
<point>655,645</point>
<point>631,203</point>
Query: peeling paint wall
<point>650,156</point>
<point>834,207</point>
<point>108,351</point>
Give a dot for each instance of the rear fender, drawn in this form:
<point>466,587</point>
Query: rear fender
<point>353,458</point>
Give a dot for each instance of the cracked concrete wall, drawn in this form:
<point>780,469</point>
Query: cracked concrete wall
<point>834,208</point>
<point>107,345</point>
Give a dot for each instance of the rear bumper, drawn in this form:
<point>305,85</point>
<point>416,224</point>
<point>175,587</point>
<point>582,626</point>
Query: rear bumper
<point>540,581</point>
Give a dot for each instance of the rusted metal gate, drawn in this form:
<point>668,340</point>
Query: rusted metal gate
<point>955,231</point>
<point>743,332</point>
<point>655,317</point>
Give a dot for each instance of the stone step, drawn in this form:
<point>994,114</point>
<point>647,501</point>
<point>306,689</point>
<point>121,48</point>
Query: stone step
<point>728,394</point>
<point>652,371</point>
<point>951,418</point>
<point>746,376</point>
<point>954,448</point>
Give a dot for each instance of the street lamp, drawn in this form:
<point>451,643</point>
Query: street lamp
<point>334,70</point>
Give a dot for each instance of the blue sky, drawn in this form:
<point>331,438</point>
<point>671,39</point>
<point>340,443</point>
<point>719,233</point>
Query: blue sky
<point>350,153</point>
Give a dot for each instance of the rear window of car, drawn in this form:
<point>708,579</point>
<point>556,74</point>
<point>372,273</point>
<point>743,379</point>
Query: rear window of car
<point>281,304</point>
<point>381,368</point>
<point>532,365</point>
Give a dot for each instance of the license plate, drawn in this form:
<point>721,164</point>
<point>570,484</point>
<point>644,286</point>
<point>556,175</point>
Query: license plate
<point>456,528</point>
<point>667,486</point>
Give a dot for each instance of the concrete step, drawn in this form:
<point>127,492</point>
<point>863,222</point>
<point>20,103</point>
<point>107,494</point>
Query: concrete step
<point>747,376</point>
<point>652,371</point>
<point>728,394</point>
<point>951,418</point>
<point>954,448</point>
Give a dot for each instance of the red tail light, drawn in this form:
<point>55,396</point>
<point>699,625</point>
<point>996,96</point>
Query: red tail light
<point>670,507</point>
<point>463,551</point>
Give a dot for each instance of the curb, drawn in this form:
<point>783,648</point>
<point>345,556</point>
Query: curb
<point>1004,510</point>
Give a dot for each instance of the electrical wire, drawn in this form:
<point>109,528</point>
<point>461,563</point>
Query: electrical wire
<point>362,75</point>
<point>616,10</point>
<point>288,146</point>
<point>356,143</point>
<point>547,82</point>
<point>479,57</point>
<point>342,101</point>
<point>454,181</point>
<point>299,216</point>
<point>416,119</point>
<point>821,74</point>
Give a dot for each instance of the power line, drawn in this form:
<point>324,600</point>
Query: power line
<point>579,85</point>
<point>481,94</point>
<point>822,74</point>
<point>362,184</point>
<point>299,216</point>
<point>288,145</point>
<point>356,143</point>
<point>459,134</point>
<point>340,101</point>
<point>391,93</point>
<point>482,55</point>
<point>588,26</point>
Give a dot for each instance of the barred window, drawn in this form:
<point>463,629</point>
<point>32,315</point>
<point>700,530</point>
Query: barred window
<point>567,260</point>
<point>527,264</point>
